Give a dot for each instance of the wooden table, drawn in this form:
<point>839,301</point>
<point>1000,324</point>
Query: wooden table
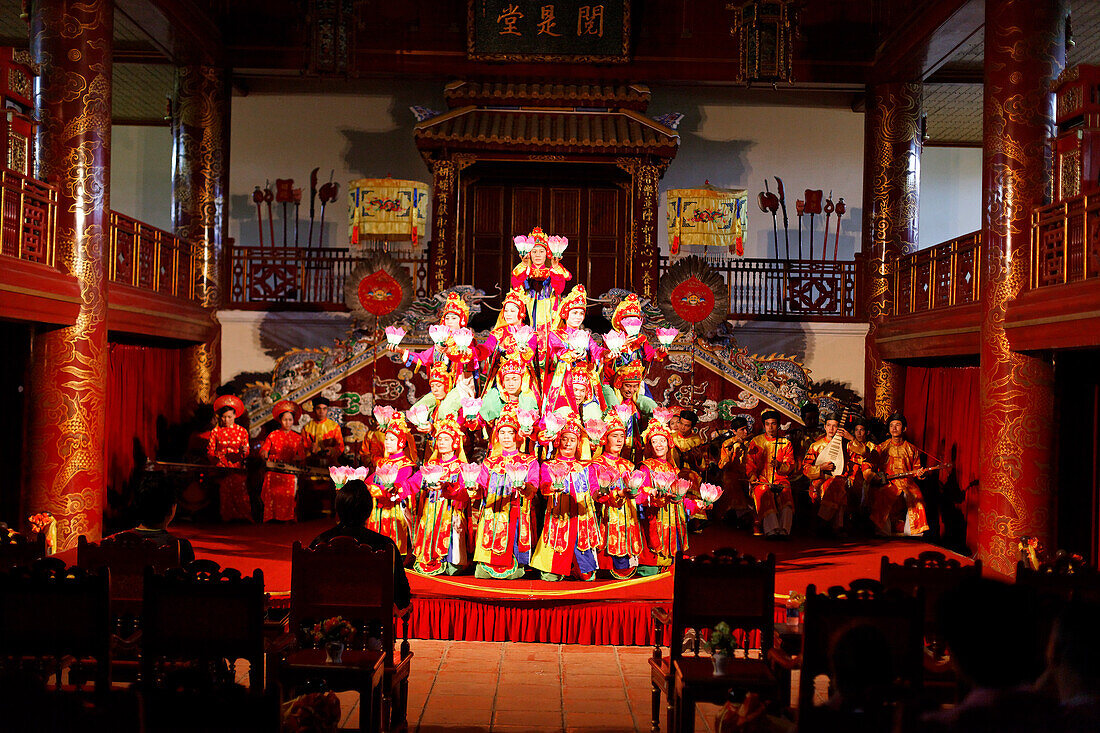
<point>694,681</point>
<point>359,670</point>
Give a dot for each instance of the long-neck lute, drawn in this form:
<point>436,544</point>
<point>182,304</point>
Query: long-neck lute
<point>911,474</point>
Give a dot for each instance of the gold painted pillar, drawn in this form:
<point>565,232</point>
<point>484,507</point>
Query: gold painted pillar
<point>200,189</point>
<point>1023,54</point>
<point>645,260</point>
<point>71,40</point>
<point>891,186</point>
<point>444,251</point>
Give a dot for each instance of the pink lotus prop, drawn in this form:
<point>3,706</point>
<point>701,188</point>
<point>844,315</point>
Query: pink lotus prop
<point>470,472</point>
<point>386,476</point>
<point>432,474</point>
<point>527,419</point>
<point>709,493</point>
<point>522,334</point>
<point>463,337</point>
<point>557,245</point>
<point>553,422</point>
<point>517,476</point>
<point>383,414</point>
<point>625,412</point>
<point>418,415</point>
<point>663,481</point>
<point>615,340</point>
<point>439,333</point>
<point>523,244</point>
<point>635,480</point>
<point>340,475</point>
<point>681,486</point>
<point>633,325</point>
<point>662,415</point>
<point>578,341</point>
<point>394,334</point>
<point>471,406</point>
<point>667,335</point>
<point>596,429</point>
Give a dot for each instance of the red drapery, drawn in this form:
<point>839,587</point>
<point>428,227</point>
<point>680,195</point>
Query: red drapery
<point>942,407</point>
<point>143,386</point>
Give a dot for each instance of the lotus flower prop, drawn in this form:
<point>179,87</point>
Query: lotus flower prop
<point>709,493</point>
<point>471,406</point>
<point>667,335</point>
<point>463,337</point>
<point>523,244</point>
<point>557,245</point>
<point>383,414</point>
<point>615,340</point>
<point>386,476</point>
<point>470,472</point>
<point>625,412</point>
<point>340,475</point>
<point>663,481</point>
<point>681,486</point>
<point>394,334</point>
<point>522,334</point>
<point>633,325</point>
<point>578,341</point>
<point>662,415</point>
<point>517,476</point>
<point>527,419</point>
<point>635,481</point>
<point>596,429</point>
<point>418,415</point>
<point>439,333</point>
<point>432,474</point>
<point>553,423</point>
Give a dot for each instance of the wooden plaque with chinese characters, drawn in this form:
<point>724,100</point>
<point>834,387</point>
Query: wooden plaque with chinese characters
<point>571,31</point>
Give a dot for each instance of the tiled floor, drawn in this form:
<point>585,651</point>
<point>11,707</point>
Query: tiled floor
<point>493,686</point>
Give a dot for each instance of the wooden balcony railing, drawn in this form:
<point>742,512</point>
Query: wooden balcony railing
<point>152,259</point>
<point>1065,241</point>
<point>260,277</point>
<point>795,289</point>
<point>939,277</point>
<point>28,218</point>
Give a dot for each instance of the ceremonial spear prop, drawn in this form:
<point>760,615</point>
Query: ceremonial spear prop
<point>786,234</point>
<point>297,198</point>
<point>328,195</point>
<point>813,207</point>
<point>828,214</point>
<point>770,202</point>
<point>312,204</point>
<point>269,196</point>
<point>800,207</point>
<point>284,193</point>
<point>258,198</point>
<point>840,209</point>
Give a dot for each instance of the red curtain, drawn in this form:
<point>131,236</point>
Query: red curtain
<point>143,385</point>
<point>942,407</point>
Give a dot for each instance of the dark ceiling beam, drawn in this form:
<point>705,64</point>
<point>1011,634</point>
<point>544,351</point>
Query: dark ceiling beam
<point>957,74</point>
<point>178,28</point>
<point>934,32</point>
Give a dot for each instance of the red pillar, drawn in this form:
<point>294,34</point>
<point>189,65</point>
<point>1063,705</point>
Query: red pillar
<point>891,188</point>
<point>64,462</point>
<point>1023,53</point>
<point>200,189</point>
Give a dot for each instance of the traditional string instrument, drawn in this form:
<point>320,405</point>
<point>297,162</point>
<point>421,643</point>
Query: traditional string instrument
<point>179,467</point>
<point>833,452</point>
<point>311,472</point>
<point>911,474</point>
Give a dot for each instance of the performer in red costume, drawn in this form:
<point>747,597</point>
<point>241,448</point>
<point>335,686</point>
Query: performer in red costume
<point>622,527</point>
<point>665,509</point>
<point>287,446</point>
<point>393,482</point>
<point>769,462</point>
<point>898,506</point>
<point>440,542</point>
<point>228,448</point>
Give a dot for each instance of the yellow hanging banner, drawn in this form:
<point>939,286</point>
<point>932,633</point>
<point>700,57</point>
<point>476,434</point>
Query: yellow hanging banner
<point>387,209</point>
<point>707,217</point>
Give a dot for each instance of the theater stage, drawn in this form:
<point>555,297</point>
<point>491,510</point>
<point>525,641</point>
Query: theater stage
<point>567,612</point>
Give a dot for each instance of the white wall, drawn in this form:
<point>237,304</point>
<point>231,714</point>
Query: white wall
<point>950,194</point>
<point>253,340</point>
<point>738,146</point>
<point>141,173</point>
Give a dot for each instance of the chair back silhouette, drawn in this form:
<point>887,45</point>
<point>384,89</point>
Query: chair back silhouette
<point>932,573</point>
<point>898,615</point>
<point>202,613</point>
<point>53,614</point>
<point>18,549</point>
<point>1061,581</point>
<point>127,554</point>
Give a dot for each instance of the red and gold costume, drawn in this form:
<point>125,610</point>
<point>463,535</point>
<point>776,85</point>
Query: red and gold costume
<point>543,285</point>
<point>664,513</point>
<point>732,462</point>
<point>571,530</point>
<point>439,544</point>
<point>622,527</point>
<point>282,446</point>
<point>391,513</point>
<point>830,492</point>
<point>228,448</point>
<point>892,457</point>
<point>762,463</point>
<point>325,438</point>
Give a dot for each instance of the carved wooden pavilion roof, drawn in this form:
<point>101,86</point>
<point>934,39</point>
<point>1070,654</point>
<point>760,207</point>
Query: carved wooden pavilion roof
<point>464,93</point>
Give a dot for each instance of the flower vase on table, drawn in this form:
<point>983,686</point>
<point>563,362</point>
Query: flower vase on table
<point>332,635</point>
<point>334,652</point>
<point>720,643</point>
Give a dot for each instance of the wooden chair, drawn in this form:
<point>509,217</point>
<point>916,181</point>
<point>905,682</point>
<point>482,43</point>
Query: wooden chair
<point>127,554</point>
<point>344,578</point>
<point>19,550</point>
<point>708,589</point>
<point>898,615</point>
<point>1061,581</point>
<point>934,574</point>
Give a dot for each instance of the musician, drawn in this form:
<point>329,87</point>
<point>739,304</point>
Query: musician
<point>685,440</point>
<point>287,446</point>
<point>372,448</point>
<point>323,435</point>
<point>769,463</point>
<point>228,448</point>
<point>735,502</point>
<point>898,503</point>
<point>829,487</point>
<point>860,446</point>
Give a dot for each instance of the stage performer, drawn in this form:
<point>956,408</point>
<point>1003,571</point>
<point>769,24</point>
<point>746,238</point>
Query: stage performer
<point>541,278</point>
<point>286,446</point>
<point>770,460</point>
<point>440,542</point>
<point>622,528</point>
<point>571,529</point>
<point>512,390</point>
<point>440,402</point>
<point>685,440</point>
<point>571,349</point>
<point>635,348</point>
<point>502,340</point>
<point>626,389</point>
<point>665,510</point>
<point>860,445</point>
<point>394,480</point>
<point>735,504</point>
<point>463,362</point>
<point>580,396</point>
<point>371,449</point>
<point>898,504</point>
<point>323,435</point>
<point>228,448</point>
<point>830,492</point>
<point>506,485</point>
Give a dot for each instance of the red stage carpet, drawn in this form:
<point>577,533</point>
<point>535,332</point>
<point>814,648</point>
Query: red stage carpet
<point>600,612</point>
